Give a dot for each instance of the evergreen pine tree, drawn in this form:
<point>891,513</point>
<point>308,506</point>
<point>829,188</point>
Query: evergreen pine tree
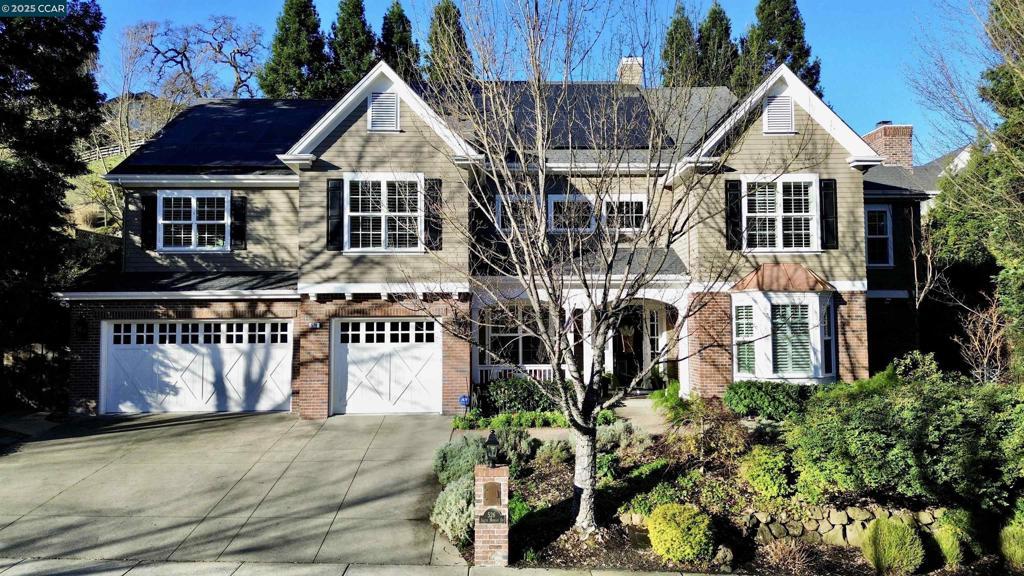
<point>679,55</point>
<point>751,65</point>
<point>297,59</point>
<point>716,51</point>
<point>352,46</point>
<point>780,40</point>
<point>447,42</point>
<point>397,46</point>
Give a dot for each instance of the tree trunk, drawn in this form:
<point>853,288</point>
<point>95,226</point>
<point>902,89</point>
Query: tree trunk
<point>584,480</point>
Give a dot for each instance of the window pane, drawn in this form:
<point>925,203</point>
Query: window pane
<point>877,223</point>
<point>760,232</point>
<point>177,235</point>
<point>628,214</point>
<point>210,208</point>
<point>210,235</point>
<point>761,198</point>
<point>796,231</point>
<point>878,251</point>
<point>519,210</point>
<point>365,231</point>
<point>791,338</point>
<point>572,214</point>
<point>533,352</point>
<point>177,209</point>
<point>403,197</point>
<point>403,232</point>
<point>364,196</point>
<point>796,197</point>
<point>745,357</point>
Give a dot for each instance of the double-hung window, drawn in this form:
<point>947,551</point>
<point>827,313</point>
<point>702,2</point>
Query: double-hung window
<point>791,339</point>
<point>570,213</point>
<point>193,220</point>
<point>878,234</point>
<point>743,322</point>
<point>518,208</point>
<point>384,212</point>
<point>506,338</point>
<point>781,214</point>
<point>625,214</point>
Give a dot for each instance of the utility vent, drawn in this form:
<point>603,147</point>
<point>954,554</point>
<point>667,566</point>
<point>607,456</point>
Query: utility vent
<point>384,111</point>
<point>778,114</point>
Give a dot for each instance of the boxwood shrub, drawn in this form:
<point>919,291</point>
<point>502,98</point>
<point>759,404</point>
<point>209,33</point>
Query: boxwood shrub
<point>681,533</point>
<point>513,395</point>
<point>764,399</point>
<point>766,470</point>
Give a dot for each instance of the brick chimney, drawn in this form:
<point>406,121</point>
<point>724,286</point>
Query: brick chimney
<point>631,70</point>
<point>893,142</point>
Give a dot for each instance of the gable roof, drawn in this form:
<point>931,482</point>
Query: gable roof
<point>917,182</point>
<point>228,137</point>
<point>301,151</point>
<point>782,82</point>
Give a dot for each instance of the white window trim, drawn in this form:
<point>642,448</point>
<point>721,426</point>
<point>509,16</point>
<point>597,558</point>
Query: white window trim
<point>792,116</point>
<point>193,194</point>
<point>887,209</point>
<point>384,178</point>
<point>815,212</point>
<point>499,207</point>
<point>642,198</point>
<point>552,198</point>
<point>398,114</point>
<point>520,334</point>
<point>737,373</point>
<point>764,369</point>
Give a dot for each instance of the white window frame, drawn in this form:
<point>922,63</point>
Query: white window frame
<point>520,334</point>
<point>193,195</point>
<point>815,212</point>
<point>383,178</point>
<point>792,116</point>
<point>887,210</point>
<point>499,207</point>
<point>818,303</point>
<point>553,198</point>
<point>746,339</point>
<point>398,113</point>
<point>641,198</point>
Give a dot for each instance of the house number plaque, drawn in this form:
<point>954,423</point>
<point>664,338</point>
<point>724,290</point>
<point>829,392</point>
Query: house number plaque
<point>492,516</point>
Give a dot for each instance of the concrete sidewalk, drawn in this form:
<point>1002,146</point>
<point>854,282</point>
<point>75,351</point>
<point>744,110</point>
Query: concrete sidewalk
<point>11,567</point>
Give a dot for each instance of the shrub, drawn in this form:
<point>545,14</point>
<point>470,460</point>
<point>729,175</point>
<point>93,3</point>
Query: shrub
<point>607,467</point>
<point>716,495</point>
<point>453,510</point>
<point>667,401</point>
<point>516,447</point>
<point>788,556</point>
<point>518,508</point>
<point>766,470</point>
<point>645,502</point>
<point>605,417</point>
<point>952,535</point>
<point>645,471</point>
<point>554,452</point>
<point>613,435</point>
<point>716,433</point>
<point>458,457</point>
<point>771,400</point>
<point>1011,544</point>
<point>936,439</point>
<point>513,395</point>
<point>892,547</point>
<point>681,533</point>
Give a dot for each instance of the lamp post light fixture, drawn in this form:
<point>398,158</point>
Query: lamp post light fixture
<point>491,448</point>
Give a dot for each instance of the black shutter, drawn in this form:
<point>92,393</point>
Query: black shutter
<point>147,225</point>
<point>733,215</point>
<point>432,214</point>
<point>829,215</point>
<point>238,222</point>
<point>335,215</point>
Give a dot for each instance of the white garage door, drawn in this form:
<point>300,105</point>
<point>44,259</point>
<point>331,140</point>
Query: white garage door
<point>192,366</point>
<point>381,366</point>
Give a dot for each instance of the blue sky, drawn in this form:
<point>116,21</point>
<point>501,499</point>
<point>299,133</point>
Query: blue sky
<point>867,48</point>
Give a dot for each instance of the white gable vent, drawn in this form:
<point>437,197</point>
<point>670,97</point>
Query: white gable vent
<point>383,111</point>
<point>778,115</point>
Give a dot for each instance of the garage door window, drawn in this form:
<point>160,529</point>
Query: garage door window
<point>278,332</point>
<point>122,334</point>
<point>235,333</point>
<point>424,332</point>
<point>143,333</point>
<point>395,332</point>
<point>170,333</point>
<point>190,333</point>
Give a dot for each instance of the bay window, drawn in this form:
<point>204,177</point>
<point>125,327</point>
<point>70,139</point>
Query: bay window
<point>784,336</point>
<point>781,214</point>
<point>384,212</point>
<point>193,220</point>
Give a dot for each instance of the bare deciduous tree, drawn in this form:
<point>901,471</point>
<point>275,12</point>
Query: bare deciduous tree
<point>984,345</point>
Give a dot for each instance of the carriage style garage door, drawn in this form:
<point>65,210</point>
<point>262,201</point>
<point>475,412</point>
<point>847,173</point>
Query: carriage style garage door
<point>196,366</point>
<point>381,366</point>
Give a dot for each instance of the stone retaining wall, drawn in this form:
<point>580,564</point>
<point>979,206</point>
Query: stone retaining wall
<point>833,526</point>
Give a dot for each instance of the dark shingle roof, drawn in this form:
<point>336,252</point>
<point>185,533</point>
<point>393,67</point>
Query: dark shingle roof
<point>186,281</point>
<point>232,136</point>
<point>902,181</point>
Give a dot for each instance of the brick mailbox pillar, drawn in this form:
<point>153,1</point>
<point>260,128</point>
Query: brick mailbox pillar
<point>490,498</point>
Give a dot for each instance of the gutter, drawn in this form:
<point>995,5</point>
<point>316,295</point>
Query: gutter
<point>204,180</point>
<point>182,295</point>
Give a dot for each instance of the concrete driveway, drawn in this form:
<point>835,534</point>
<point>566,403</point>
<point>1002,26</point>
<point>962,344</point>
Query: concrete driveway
<point>245,488</point>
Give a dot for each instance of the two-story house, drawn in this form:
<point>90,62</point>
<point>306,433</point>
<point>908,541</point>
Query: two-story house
<point>282,255</point>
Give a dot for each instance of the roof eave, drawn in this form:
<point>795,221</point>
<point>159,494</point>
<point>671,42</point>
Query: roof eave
<point>203,180</point>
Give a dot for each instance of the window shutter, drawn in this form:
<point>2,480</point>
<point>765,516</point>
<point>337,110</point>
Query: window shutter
<point>147,227</point>
<point>238,222</point>
<point>335,215</point>
<point>733,215</point>
<point>432,214</point>
<point>829,214</point>
<point>384,111</point>
<point>778,114</point>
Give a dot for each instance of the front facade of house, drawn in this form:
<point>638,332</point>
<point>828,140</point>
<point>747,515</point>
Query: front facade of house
<point>283,255</point>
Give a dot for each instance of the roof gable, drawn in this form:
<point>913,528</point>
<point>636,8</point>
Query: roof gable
<point>380,79</point>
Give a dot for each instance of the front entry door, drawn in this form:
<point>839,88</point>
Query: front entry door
<point>628,346</point>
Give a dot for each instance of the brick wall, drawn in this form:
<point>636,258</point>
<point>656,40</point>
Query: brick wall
<point>84,377</point>
<point>710,343</point>
<point>311,384</point>
<point>852,321</point>
<point>894,143</point>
